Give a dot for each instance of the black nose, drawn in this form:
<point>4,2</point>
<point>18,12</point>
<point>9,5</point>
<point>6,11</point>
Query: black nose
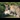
<point>15,13</point>
<point>12,12</point>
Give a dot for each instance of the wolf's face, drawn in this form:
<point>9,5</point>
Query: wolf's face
<point>12,7</point>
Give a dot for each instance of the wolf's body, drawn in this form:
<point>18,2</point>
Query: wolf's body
<point>13,8</point>
<point>18,12</point>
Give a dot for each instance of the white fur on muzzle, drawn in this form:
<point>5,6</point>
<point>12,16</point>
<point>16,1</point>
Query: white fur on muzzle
<point>7,12</point>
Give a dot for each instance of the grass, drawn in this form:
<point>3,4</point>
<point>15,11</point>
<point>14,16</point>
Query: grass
<point>10,16</point>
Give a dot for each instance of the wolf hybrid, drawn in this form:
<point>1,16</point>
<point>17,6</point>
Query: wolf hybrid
<point>6,10</point>
<point>13,9</point>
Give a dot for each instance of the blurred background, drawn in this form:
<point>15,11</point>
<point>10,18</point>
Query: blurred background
<point>2,8</point>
